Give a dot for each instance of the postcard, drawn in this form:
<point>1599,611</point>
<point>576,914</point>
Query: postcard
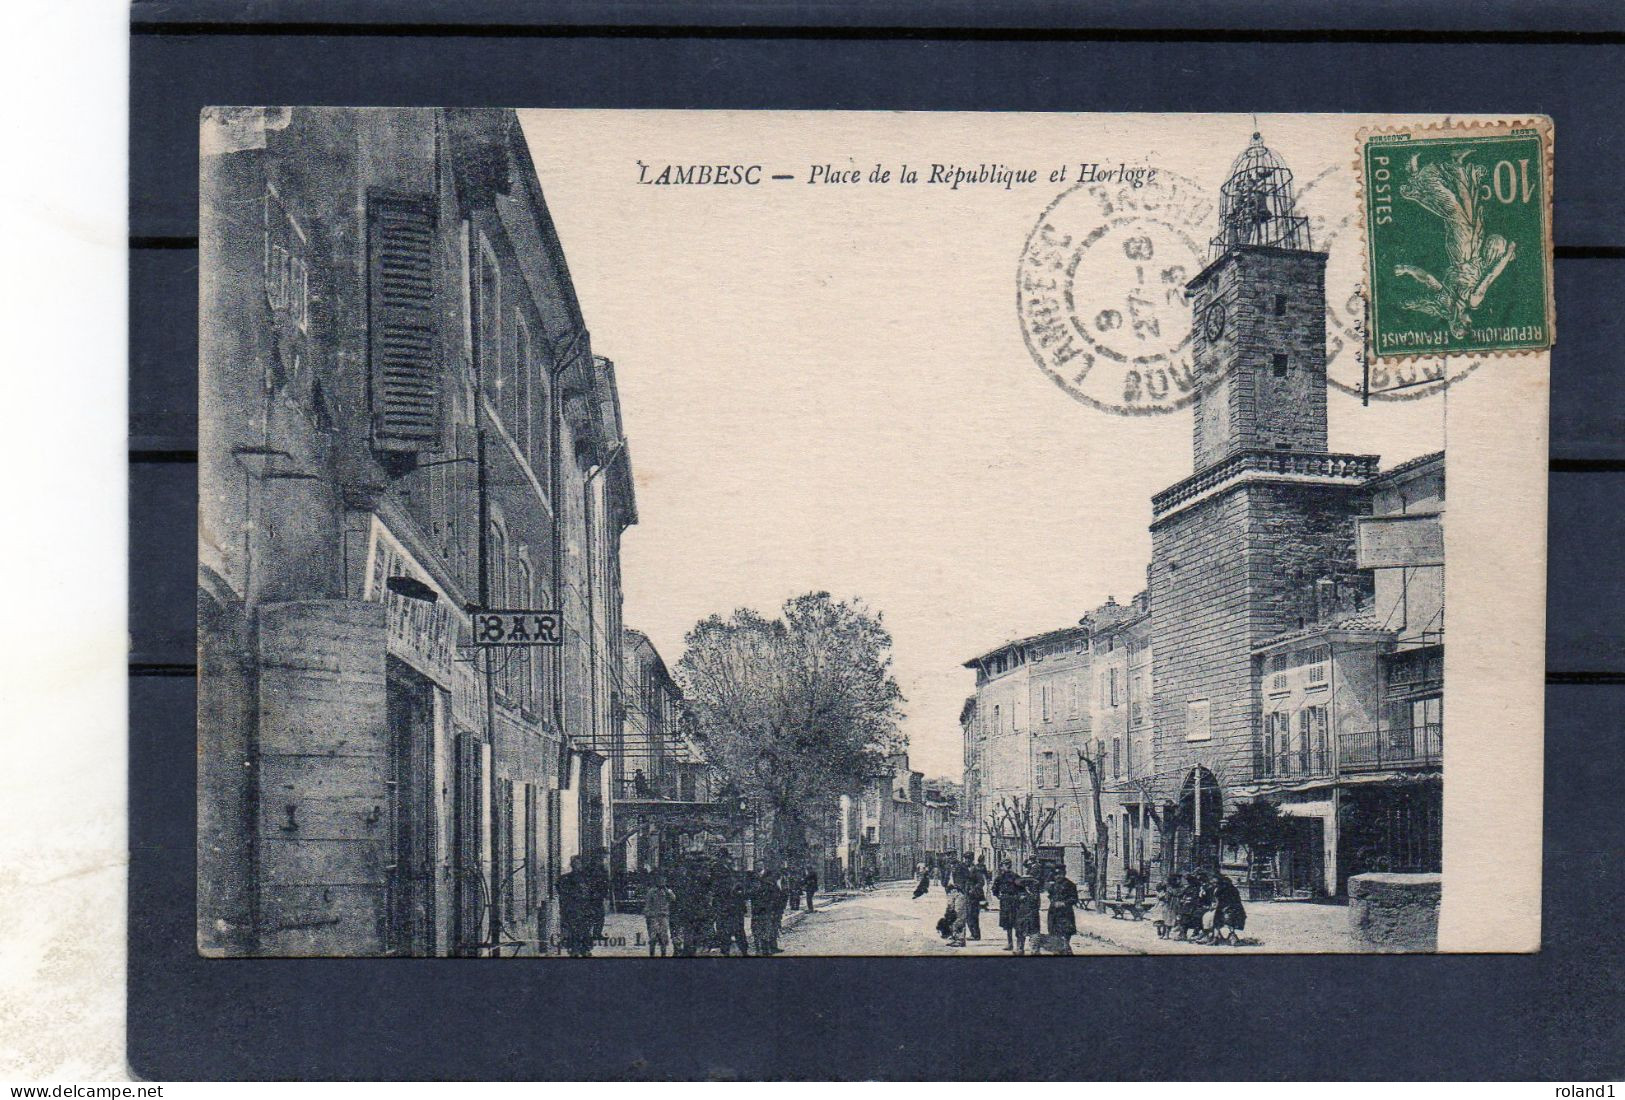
<point>756,533</point>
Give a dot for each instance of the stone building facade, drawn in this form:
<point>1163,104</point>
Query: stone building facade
<point>403,423</point>
<point>1032,718</point>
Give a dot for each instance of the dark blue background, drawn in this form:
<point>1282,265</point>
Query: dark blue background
<point>1555,1015</point>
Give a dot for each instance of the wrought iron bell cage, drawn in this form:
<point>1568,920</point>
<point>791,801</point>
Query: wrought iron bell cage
<point>1258,205</point>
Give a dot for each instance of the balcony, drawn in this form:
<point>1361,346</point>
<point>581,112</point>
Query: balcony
<point>1394,747</point>
<point>1361,751</point>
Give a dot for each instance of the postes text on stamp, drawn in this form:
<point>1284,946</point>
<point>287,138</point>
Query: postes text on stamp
<point>1458,239</point>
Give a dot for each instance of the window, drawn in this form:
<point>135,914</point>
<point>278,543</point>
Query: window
<point>299,287</point>
<point>1316,662</point>
<point>1280,366</point>
<point>1043,696</point>
<point>1277,666</point>
<point>1077,691</point>
<point>487,317</point>
<point>496,573</point>
<point>1117,757</point>
<point>1283,742</point>
<point>497,568</point>
<point>1303,739</point>
<point>521,391</point>
<point>522,657</point>
<point>1198,715</point>
<point>1280,305</point>
<point>1267,755</point>
<point>1116,680</point>
<point>998,720</point>
<point>1049,770</point>
<point>1317,739</point>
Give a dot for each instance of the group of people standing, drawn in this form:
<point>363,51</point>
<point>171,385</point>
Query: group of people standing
<point>1021,903</point>
<point>1201,908</point>
<point>583,891</point>
<point>705,904</point>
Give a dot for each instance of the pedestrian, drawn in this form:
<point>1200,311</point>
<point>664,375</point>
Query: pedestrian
<point>792,885</point>
<point>657,904</point>
<point>1026,912</point>
<point>597,884</point>
<point>1167,907</point>
<point>1063,922</point>
<point>959,907</point>
<point>732,897</point>
<point>781,898</point>
<point>923,873</point>
<point>1134,880</point>
<point>1192,905</point>
<point>576,921</point>
<point>809,883</point>
<point>763,904</point>
<point>1005,889</point>
<point>975,883</point>
<point>1229,914</point>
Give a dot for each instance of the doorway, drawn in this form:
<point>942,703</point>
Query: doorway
<point>411,858</point>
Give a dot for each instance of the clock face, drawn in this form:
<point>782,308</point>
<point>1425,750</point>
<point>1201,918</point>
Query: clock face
<point>1213,321</point>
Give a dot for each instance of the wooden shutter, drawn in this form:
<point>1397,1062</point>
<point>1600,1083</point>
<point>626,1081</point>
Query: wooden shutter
<point>403,348</point>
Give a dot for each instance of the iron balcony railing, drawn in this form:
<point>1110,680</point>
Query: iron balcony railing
<point>1359,751</point>
<point>1392,747</point>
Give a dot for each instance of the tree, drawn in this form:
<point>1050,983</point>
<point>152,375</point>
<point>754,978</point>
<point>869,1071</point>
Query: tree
<point>1256,826</point>
<point>1095,766</point>
<point>794,711</point>
<point>1022,821</point>
<point>1162,815</point>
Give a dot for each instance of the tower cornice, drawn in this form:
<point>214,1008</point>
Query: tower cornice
<point>1248,467</point>
<point>1213,268</point>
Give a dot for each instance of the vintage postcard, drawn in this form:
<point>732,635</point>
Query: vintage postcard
<point>664,534</point>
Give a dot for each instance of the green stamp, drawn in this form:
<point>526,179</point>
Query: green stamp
<point>1458,239</point>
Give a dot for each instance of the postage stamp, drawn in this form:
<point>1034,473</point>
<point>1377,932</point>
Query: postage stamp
<point>1458,238</point>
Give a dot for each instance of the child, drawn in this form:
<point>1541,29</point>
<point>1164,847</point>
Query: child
<point>959,902</point>
<point>1167,907</point>
<point>1026,920</point>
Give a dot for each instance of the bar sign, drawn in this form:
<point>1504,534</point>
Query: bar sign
<point>517,627</point>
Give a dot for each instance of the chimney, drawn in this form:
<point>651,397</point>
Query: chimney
<point>1325,599</point>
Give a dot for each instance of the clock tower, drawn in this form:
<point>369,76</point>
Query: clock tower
<point>1238,547</point>
<point>1259,311</point>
